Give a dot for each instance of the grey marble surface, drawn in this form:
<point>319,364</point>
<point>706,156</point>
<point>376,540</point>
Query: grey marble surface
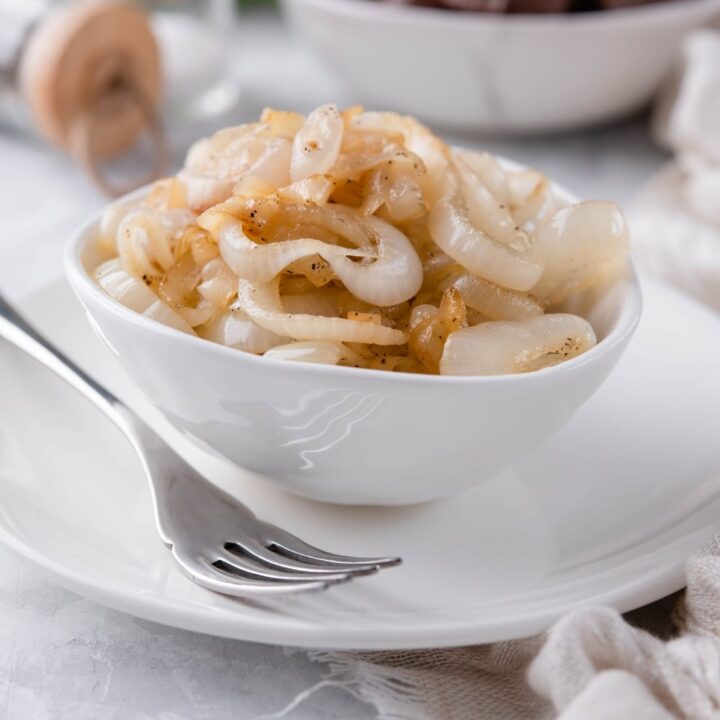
<point>64,657</point>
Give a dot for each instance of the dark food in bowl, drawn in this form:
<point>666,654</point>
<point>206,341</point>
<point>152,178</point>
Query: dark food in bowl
<point>525,6</point>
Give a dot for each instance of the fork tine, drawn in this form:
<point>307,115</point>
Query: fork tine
<point>250,569</point>
<point>288,544</point>
<point>227,583</point>
<point>269,558</point>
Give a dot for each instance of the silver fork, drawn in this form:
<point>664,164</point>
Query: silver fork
<point>215,539</point>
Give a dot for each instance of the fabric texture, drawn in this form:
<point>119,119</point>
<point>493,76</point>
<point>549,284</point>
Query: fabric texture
<point>594,664</point>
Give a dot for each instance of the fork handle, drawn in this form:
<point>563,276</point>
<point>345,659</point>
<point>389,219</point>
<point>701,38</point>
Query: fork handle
<point>18,331</point>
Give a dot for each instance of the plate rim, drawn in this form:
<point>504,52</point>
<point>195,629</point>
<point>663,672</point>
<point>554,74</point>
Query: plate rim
<point>451,634</point>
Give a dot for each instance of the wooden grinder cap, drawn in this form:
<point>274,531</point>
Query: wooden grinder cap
<point>91,78</point>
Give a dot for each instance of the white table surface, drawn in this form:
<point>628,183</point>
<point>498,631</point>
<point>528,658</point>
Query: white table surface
<point>64,657</point>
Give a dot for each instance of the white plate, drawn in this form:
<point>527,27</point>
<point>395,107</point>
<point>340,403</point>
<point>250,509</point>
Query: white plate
<point>607,512</point>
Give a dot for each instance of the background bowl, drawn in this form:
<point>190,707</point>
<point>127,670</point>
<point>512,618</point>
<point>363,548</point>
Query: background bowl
<point>350,435</point>
<point>506,73</point>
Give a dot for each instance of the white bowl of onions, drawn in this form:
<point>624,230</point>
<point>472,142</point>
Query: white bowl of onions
<point>356,311</point>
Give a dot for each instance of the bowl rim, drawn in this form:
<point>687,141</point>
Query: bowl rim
<point>668,10</point>
<point>86,287</point>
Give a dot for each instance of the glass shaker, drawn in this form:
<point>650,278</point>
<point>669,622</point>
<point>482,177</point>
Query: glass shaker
<point>195,39</point>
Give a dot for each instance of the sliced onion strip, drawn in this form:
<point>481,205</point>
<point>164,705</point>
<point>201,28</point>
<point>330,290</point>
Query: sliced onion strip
<point>581,245</point>
<point>326,352</point>
<point>453,230</point>
<point>498,348</point>
<point>145,239</point>
<point>236,330</point>
<point>393,275</point>
<point>493,301</point>
<point>261,302</point>
<point>134,294</point>
<point>316,146</point>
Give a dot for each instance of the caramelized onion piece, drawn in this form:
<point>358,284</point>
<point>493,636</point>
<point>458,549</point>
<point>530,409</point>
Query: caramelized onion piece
<point>282,123</point>
<point>430,328</point>
<point>197,285</point>
<point>487,213</point>
<point>218,284</point>
<point>326,352</point>
<point>488,170</point>
<point>392,274</point>
<point>395,184</point>
<point>177,286</point>
<point>311,303</point>
<point>236,330</point>
<point>582,245</point>
<point>499,348</point>
<point>146,239</point>
<point>111,218</point>
<point>215,164</point>
<point>261,302</point>
<point>532,199</point>
<point>417,139</point>
<point>134,294</point>
<point>316,146</point>
<point>493,301</point>
<point>316,189</point>
<point>514,266</point>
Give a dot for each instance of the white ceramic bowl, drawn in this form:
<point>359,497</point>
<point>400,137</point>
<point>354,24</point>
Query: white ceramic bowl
<point>507,73</point>
<point>350,435</point>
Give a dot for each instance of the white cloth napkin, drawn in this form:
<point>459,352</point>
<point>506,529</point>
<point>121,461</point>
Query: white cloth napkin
<point>677,216</point>
<point>593,664</point>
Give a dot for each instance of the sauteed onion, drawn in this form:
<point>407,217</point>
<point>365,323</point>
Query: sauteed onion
<point>360,238</point>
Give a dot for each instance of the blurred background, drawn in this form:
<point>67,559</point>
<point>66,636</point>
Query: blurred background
<point>98,97</point>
